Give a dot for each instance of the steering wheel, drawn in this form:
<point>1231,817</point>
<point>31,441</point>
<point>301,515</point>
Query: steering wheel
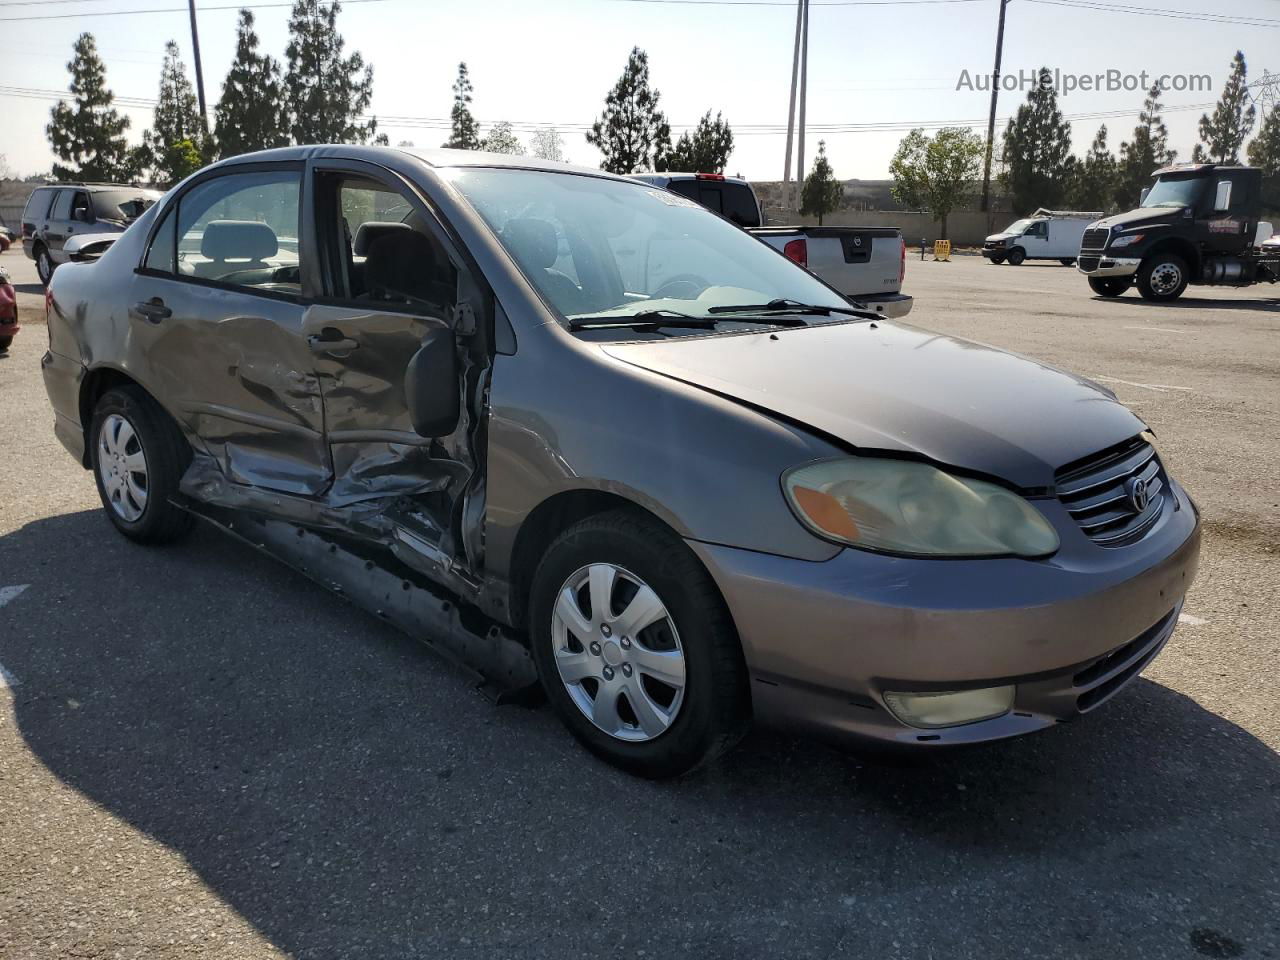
<point>683,286</point>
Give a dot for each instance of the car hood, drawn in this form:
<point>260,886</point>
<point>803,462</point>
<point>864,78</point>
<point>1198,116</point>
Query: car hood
<point>1006,235</point>
<point>1140,218</point>
<point>892,387</point>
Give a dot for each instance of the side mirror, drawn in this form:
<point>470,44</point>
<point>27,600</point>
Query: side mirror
<point>431,386</point>
<point>1222,197</point>
<point>1143,197</point>
<point>81,214</point>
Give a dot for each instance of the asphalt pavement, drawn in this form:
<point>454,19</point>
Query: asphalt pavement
<point>204,754</point>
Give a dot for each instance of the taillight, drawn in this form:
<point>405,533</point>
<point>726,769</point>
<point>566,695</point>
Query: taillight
<point>708,176</point>
<point>8,304</point>
<point>48,302</point>
<point>797,250</point>
<point>902,261</point>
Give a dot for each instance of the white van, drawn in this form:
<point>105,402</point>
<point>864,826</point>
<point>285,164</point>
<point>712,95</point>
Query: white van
<point>1045,235</point>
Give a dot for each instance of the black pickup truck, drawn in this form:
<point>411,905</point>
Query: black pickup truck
<point>1197,224</point>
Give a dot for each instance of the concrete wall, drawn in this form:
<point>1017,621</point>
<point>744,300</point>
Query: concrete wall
<point>13,198</point>
<point>965,228</point>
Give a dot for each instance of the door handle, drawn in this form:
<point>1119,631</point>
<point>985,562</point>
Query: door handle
<point>152,310</point>
<point>331,340</point>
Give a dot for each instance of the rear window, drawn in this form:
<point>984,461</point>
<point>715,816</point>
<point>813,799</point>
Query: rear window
<point>38,204</point>
<point>126,205</point>
<point>732,200</point>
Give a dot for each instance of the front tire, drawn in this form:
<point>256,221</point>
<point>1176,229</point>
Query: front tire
<point>635,647</point>
<point>1162,277</point>
<point>5,343</point>
<point>1016,256</point>
<point>998,258</point>
<point>44,265</point>
<point>1067,261</point>
<point>138,457</point>
<point>1109,286</point>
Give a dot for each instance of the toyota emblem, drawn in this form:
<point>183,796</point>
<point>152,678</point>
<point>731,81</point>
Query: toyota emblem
<point>1139,495</point>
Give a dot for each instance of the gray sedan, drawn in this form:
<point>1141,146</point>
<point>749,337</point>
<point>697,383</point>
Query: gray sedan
<point>699,484</point>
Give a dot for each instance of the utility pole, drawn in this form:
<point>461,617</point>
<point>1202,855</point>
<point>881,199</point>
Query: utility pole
<point>791,109</point>
<point>991,119</point>
<point>804,82</point>
<point>195,50</point>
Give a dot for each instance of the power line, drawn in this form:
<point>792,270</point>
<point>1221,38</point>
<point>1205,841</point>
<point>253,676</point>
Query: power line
<point>129,13</point>
<point>1160,12</point>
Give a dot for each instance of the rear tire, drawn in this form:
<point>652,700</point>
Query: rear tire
<point>138,457</point>
<point>44,264</point>
<point>1016,256</point>
<point>1162,277</point>
<point>1109,286</point>
<point>591,680</point>
<point>4,343</point>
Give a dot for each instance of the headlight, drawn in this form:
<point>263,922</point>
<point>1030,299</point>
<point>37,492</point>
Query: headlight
<point>1127,240</point>
<point>900,506</point>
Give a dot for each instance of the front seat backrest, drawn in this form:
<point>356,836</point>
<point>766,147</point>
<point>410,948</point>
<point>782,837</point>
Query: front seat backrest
<point>247,242</point>
<point>536,248</point>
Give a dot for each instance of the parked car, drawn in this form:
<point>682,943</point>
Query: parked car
<point>88,247</point>
<point>8,311</point>
<point>704,487</point>
<point>1045,235</point>
<point>6,239</point>
<point>866,264</point>
<point>55,213</point>
<point>1198,224</point>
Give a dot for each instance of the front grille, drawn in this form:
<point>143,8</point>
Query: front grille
<point>1087,263</point>
<point>1099,492</point>
<point>1103,678</point>
<point>1095,239</point>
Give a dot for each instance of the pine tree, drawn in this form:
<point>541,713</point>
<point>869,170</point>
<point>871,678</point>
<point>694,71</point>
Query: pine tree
<point>1264,152</point>
<point>325,93</point>
<point>176,139</point>
<point>502,139</point>
<point>88,137</point>
<point>250,114</point>
<point>1093,185</point>
<point>464,132</point>
<point>1225,132</point>
<point>706,151</point>
<point>1037,150</point>
<point>1148,151</point>
<point>548,144</point>
<point>822,191</point>
<point>632,133</point>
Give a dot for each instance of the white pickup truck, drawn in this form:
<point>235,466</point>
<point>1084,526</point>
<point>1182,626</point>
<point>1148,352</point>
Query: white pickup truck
<point>866,264</point>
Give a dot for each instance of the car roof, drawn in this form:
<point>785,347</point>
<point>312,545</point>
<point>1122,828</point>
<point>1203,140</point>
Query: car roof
<point>709,177</point>
<point>97,187</point>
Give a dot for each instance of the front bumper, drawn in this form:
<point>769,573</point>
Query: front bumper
<point>1105,265</point>
<point>890,305</point>
<point>824,641</point>
<point>991,252</point>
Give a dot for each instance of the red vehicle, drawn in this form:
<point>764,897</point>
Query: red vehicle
<point>8,311</point>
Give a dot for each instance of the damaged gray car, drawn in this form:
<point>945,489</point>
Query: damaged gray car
<point>619,444</point>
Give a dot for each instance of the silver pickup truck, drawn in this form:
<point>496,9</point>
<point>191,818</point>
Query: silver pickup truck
<point>866,264</point>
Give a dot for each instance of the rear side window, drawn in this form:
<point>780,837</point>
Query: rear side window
<point>732,200</point>
<point>62,206</point>
<point>241,229</point>
<point>38,204</point>
<point>162,256</point>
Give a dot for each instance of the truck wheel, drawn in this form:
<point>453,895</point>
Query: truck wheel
<point>1162,277</point>
<point>1067,261</point>
<point>4,343</point>
<point>138,457</point>
<point>1108,286</point>
<point>44,265</point>
<point>635,647</point>
<point>997,258</point>
<point>1016,256</point>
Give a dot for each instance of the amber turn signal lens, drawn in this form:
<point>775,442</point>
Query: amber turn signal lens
<point>826,512</point>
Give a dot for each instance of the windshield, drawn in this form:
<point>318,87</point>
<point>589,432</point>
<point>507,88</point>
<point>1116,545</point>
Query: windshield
<point>1018,226</point>
<point>611,249</point>
<point>126,205</point>
<point>1176,192</point>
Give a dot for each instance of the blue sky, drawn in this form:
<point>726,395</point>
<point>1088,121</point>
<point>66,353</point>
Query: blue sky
<point>552,61</point>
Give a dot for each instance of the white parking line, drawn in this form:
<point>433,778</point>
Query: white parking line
<point>1191,621</point>
<point>11,593</point>
<point>1158,329</point>
<point>1157,387</point>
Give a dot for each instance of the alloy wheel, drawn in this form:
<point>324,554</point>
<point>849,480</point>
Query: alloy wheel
<point>1165,278</point>
<point>122,468</point>
<point>618,652</point>
<point>44,267</point>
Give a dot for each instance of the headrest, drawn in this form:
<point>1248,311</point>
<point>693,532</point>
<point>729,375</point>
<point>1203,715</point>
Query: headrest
<point>532,241</point>
<point>238,240</point>
<point>407,262</point>
<point>367,233</point>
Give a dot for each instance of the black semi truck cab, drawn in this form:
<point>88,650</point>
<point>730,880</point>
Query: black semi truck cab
<point>1198,223</point>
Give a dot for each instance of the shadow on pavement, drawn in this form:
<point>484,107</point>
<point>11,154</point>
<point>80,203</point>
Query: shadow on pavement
<point>346,793</point>
<point>1193,302</point>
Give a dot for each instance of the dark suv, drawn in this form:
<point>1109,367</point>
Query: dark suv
<point>55,213</point>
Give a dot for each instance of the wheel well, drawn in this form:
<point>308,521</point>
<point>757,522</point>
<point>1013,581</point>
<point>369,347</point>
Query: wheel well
<point>96,384</point>
<point>546,522</point>
<point>1182,248</point>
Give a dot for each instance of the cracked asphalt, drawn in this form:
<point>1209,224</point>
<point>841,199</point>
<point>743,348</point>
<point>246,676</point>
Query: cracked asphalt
<point>203,754</point>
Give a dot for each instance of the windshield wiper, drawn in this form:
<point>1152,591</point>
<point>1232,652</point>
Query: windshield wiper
<point>782,305</point>
<point>645,318</point>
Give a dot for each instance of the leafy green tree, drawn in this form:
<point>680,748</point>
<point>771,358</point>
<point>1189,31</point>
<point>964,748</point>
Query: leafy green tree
<point>1264,152</point>
<point>936,173</point>
<point>464,132</point>
<point>548,144</point>
<point>177,127</point>
<point>1145,153</point>
<point>1224,133</point>
<point>1093,183</point>
<point>502,139</point>
<point>822,191</point>
<point>706,151</point>
<point>88,134</point>
<point>250,114</point>
<point>632,133</point>
<point>1037,150</point>
<point>325,93</point>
